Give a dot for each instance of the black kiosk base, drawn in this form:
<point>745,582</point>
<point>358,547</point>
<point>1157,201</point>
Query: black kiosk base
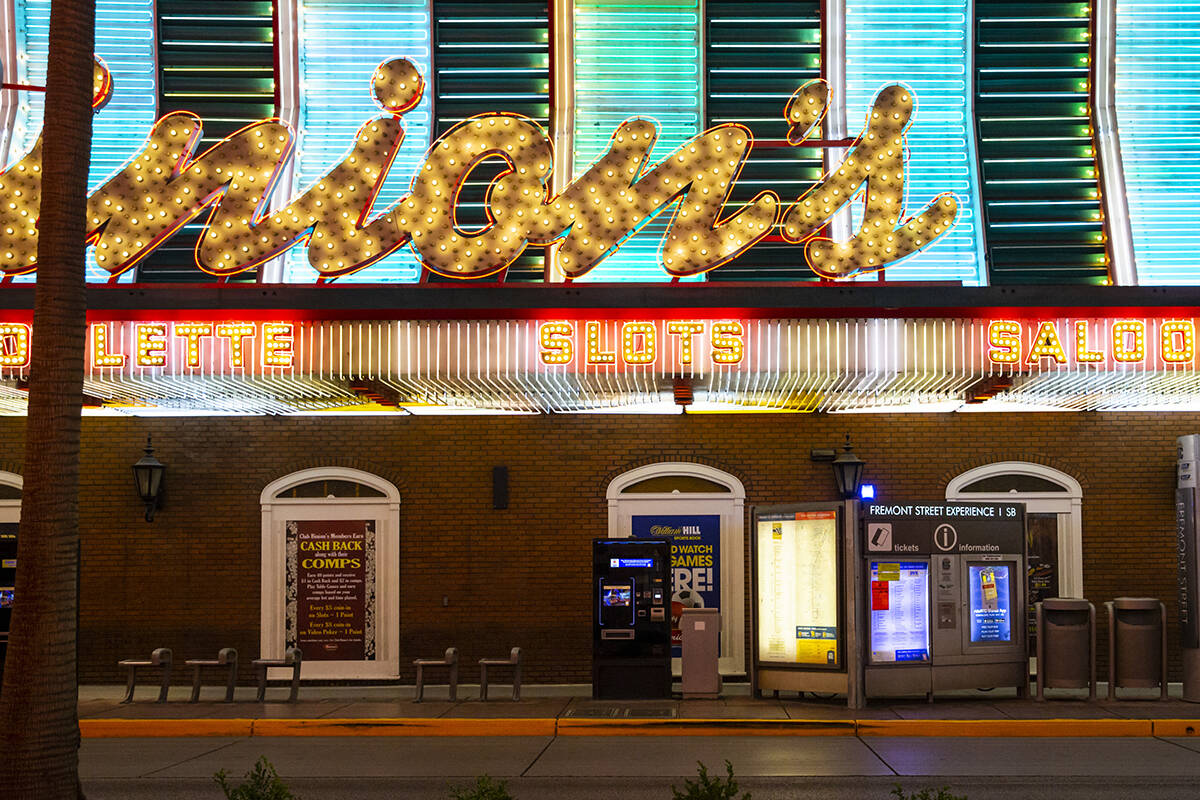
<point>631,601</point>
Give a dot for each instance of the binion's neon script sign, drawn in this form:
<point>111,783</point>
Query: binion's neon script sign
<point>166,185</point>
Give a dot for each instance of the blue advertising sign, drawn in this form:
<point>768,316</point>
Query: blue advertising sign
<point>990,620</point>
<point>695,562</point>
<point>631,563</point>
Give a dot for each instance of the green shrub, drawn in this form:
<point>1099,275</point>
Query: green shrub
<point>262,783</point>
<point>485,788</point>
<point>926,794</point>
<point>707,788</point>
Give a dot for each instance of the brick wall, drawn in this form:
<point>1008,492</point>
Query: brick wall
<point>190,580</point>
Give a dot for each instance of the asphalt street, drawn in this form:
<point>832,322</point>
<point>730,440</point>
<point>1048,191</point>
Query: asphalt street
<point>645,768</point>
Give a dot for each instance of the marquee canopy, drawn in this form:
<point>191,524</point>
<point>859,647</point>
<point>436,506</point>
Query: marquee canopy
<point>453,349</point>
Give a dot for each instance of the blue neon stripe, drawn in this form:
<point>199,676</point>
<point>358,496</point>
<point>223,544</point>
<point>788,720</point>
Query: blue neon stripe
<point>125,36</point>
<point>340,45</point>
<point>635,60</point>
<point>1158,120</point>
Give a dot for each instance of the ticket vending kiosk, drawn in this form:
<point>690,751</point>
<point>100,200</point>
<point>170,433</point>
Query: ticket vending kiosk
<point>946,597</point>
<point>631,602</point>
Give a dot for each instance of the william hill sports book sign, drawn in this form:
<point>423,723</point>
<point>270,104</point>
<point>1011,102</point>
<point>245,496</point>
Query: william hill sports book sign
<point>167,184</point>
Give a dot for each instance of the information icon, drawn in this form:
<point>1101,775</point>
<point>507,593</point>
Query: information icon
<point>945,537</point>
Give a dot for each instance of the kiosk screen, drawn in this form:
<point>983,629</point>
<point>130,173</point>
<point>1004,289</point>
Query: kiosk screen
<point>6,598</point>
<point>991,619</point>
<point>613,596</point>
<point>899,611</point>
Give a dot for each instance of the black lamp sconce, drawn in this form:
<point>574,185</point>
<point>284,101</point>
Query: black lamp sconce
<point>148,476</point>
<point>847,468</point>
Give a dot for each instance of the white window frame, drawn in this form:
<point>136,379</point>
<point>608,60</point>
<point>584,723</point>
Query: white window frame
<point>10,510</point>
<point>276,511</point>
<point>730,506</point>
<point>1068,505</point>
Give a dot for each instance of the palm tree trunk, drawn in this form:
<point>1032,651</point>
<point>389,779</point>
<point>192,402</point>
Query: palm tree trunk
<point>39,724</point>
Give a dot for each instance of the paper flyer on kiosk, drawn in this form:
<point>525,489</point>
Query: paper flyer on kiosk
<point>899,611</point>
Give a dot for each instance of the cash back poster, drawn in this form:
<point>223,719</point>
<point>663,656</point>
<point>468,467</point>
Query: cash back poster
<point>331,589</point>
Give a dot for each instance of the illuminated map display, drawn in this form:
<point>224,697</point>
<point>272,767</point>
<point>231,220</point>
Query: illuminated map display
<point>899,611</point>
<point>798,589</point>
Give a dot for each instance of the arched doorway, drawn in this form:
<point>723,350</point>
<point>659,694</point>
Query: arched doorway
<point>331,572</point>
<point>1053,507</point>
<point>702,508</point>
<point>11,485</point>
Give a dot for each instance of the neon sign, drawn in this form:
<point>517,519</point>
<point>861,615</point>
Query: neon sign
<point>1121,341</point>
<point>158,342</point>
<point>166,185</point>
<point>610,344</point>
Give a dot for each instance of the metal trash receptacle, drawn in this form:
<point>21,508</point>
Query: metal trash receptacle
<point>1137,644</point>
<point>701,628</point>
<point>1066,645</point>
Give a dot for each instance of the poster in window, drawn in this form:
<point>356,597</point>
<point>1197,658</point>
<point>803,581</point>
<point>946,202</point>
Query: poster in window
<point>1041,559</point>
<point>331,589</point>
<point>695,563</point>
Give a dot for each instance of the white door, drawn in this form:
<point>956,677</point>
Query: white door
<point>331,573</point>
<point>702,510</point>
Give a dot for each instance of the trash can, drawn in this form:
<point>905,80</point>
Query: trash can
<point>1066,645</point>
<point>1137,644</point>
<point>701,628</point>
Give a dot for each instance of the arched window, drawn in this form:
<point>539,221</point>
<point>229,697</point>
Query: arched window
<point>702,509</point>
<point>11,485</point>
<point>331,572</point>
<point>1053,508</point>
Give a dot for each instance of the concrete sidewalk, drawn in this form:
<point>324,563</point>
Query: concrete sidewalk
<point>570,711</point>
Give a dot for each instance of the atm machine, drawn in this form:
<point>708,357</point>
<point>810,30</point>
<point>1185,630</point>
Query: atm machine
<point>631,602</point>
<point>946,597</point>
<point>8,576</point>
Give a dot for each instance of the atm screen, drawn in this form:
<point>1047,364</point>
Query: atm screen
<point>991,620</point>
<point>6,598</point>
<point>616,596</point>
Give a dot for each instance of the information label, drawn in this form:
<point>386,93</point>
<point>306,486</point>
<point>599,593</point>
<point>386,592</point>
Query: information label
<point>899,622</point>
<point>797,589</point>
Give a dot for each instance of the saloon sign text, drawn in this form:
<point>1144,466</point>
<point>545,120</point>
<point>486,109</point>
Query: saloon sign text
<point>1121,341</point>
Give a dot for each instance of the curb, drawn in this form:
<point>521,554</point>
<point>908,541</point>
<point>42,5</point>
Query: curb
<point>1000,728</point>
<point>164,728</point>
<point>1030,728</point>
<point>403,727</point>
<point>705,727</point>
